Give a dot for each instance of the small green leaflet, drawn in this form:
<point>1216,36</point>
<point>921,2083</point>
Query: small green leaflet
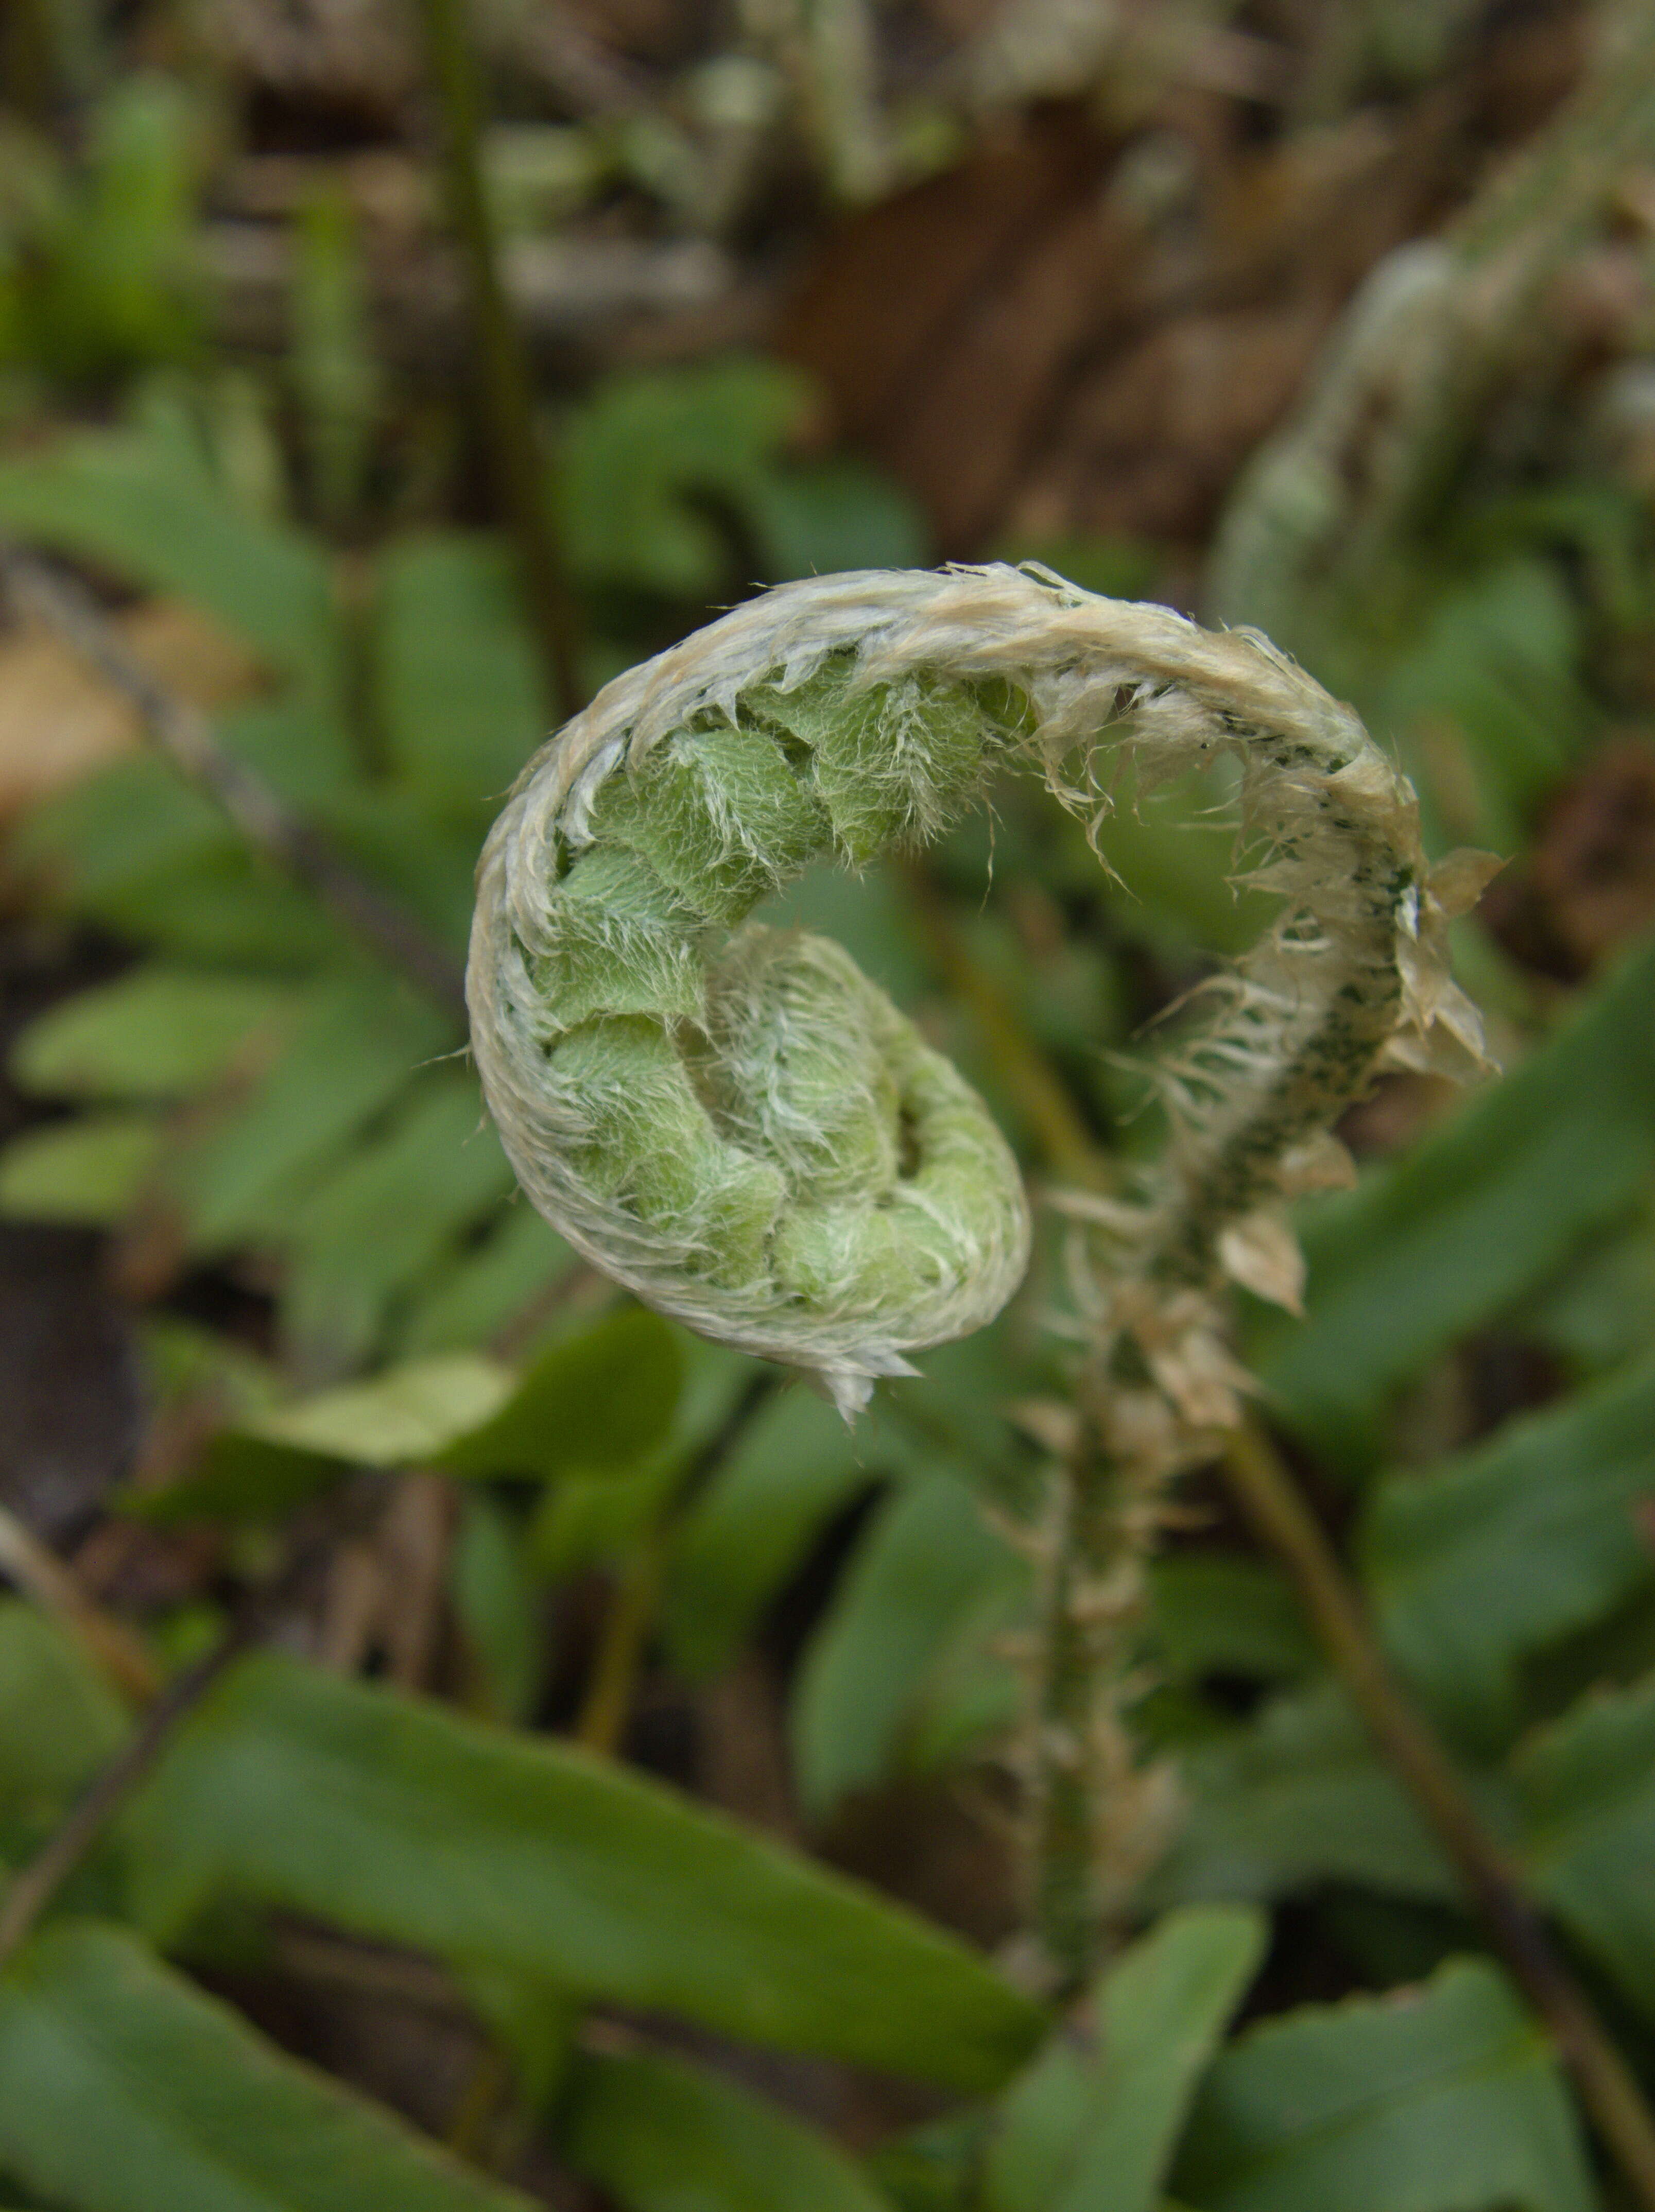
<point>657,2136</point>
<point>385,1217</point>
<point>123,2088</point>
<point>596,1402</point>
<point>1443,2099</point>
<point>88,1171</point>
<point>406,1414</point>
<point>159,1032</point>
<point>359,1036</point>
<point>1094,2130</point>
<point>394,1817</point>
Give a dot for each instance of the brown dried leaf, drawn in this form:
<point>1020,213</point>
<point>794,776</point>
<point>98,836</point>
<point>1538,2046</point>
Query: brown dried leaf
<point>1262,1254</point>
<point>59,721</point>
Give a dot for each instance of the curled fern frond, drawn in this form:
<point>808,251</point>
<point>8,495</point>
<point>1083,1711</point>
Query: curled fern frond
<point>735,1123</point>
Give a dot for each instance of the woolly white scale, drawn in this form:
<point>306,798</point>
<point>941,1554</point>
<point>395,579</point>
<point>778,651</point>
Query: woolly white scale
<point>734,1122</point>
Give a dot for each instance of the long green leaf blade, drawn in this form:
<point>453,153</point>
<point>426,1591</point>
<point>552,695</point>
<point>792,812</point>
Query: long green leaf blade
<point>125,2089</point>
<point>1094,2131</point>
<point>395,1817</point>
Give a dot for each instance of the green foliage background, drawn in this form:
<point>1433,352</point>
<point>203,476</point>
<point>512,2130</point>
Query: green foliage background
<point>252,1085</point>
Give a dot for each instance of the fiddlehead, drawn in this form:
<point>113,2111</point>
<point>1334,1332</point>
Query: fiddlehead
<point>738,1126</point>
<point>734,1123</point>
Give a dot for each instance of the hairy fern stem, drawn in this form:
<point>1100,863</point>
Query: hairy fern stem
<point>734,1122</point>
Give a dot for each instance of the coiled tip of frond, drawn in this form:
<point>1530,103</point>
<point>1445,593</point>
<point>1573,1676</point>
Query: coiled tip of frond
<point>731,1120</point>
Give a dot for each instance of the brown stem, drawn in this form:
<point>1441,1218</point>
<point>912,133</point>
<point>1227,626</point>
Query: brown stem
<point>1272,1500</point>
<point>265,819</point>
<point>522,471</point>
<point>34,1885</point>
<point>42,1575</point>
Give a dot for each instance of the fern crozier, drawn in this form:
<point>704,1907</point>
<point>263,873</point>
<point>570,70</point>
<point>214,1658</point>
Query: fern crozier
<point>735,1123</point>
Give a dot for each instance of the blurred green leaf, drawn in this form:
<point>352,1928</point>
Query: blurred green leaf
<point>358,1040</point>
<point>653,449</point>
<point>134,850</point>
<point>934,2168</point>
<point>157,1033</point>
<point>831,515</point>
<point>87,1172</point>
<point>1218,1614</point>
<point>406,1415</point>
<point>1485,1206</point>
<point>795,1464</point>
<point>1585,1790</point>
<point>398,840</point>
<point>130,500</point>
<point>107,279</point>
<point>1437,2099</point>
<point>277,1457</point>
<point>238,1477</point>
<point>331,367</point>
<point>1475,1562</point>
<point>471,1300</point>
<point>1298,1797</point>
<point>457,683</point>
<point>927,1562</point>
<point>376,1224</point>
<point>580,1525</point>
<point>497,1610</point>
<point>1496,671</point>
<point>1093,2128</point>
<point>1175,864</point>
<point>397,1819</point>
<point>1600,1310</point>
<point>657,2136</point>
<point>59,1719</point>
<point>123,2088</point>
<point>595,1402</point>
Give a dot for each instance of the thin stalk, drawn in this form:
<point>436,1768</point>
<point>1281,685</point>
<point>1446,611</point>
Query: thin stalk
<point>42,1576</point>
<point>522,470</point>
<point>1265,1488</point>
